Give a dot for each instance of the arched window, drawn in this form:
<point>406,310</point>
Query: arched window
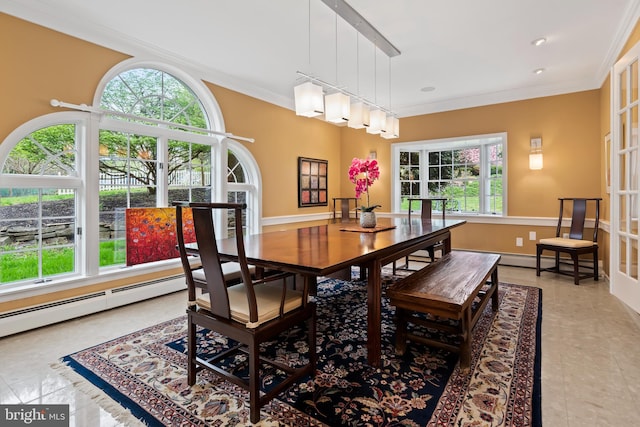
<point>39,192</point>
<point>152,145</point>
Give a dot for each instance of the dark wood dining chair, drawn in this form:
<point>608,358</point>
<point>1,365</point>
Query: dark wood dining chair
<point>345,208</point>
<point>249,313</point>
<point>426,214</point>
<point>577,242</point>
<point>230,270</point>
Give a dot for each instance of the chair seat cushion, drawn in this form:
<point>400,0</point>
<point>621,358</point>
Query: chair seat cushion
<point>231,271</point>
<point>268,298</point>
<point>567,243</point>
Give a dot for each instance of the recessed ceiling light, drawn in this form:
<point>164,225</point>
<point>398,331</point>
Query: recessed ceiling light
<point>538,42</point>
<point>539,71</point>
<point>428,89</point>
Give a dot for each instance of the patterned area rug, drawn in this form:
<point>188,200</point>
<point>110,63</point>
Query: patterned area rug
<point>145,372</point>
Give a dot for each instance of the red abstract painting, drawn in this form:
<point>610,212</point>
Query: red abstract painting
<point>151,234</point>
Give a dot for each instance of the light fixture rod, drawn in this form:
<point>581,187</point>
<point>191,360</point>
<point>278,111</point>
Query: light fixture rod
<point>362,26</point>
<point>91,109</point>
<point>346,92</point>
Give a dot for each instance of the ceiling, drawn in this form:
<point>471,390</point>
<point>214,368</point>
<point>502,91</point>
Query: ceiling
<point>470,53</point>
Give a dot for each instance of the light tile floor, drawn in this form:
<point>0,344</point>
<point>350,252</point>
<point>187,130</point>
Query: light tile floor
<point>590,354</point>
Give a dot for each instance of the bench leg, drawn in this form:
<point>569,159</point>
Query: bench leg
<point>494,283</point>
<point>465,348</point>
<point>401,331</point>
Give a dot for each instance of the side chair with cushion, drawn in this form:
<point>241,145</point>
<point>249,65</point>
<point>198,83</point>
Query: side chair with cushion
<point>426,214</point>
<point>577,242</point>
<point>249,313</point>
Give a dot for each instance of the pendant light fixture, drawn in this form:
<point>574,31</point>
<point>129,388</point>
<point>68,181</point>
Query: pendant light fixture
<point>392,129</point>
<point>340,105</point>
<point>308,97</point>
<point>359,117</point>
<point>377,117</point>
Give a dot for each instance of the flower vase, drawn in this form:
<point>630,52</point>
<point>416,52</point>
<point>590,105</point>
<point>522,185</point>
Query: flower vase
<point>368,219</point>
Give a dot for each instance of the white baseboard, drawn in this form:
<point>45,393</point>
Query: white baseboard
<point>46,314</point>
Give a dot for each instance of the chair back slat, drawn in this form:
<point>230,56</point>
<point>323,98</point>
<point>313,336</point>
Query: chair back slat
<point>578,215</point>
<point>579,209</point>
<point>426,208</point>
<point>345,207</point>
<point>184,257</point>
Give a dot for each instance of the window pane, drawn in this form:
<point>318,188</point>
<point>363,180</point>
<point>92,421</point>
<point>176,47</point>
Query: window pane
<point>236,197</point>
<point>154,94</point>
<point>404,157</point>
<point>189,172</point>
<point>235,171</point>
<point>37,233</point>
<point>48,151</point>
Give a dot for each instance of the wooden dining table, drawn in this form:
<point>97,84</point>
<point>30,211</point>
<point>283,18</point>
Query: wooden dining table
<point>322,250</point>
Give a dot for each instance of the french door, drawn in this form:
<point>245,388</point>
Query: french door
<point>625,180</point>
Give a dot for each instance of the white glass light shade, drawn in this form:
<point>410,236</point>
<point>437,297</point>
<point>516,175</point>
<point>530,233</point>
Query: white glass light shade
<point>359,115</point>
<point>377,121</point>
<point>535,161</point>
<point>308,99</point>
<point>393,128</point>
<point>337,107</point>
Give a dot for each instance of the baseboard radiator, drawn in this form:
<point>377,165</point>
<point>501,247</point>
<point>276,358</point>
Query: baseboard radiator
<point>25,319</point>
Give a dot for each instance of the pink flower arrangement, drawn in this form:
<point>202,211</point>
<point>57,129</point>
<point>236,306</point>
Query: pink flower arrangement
<point>371,172</point>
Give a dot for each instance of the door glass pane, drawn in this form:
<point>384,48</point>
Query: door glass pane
<point>623,214</point>
<point>622,181</point>
<point>634,81</point>
<point>633,199</point>
<point>633,270</point>
<point>623,131</point>
<point>633,142</point>
<point>623,89</point>
<point>623,255</point>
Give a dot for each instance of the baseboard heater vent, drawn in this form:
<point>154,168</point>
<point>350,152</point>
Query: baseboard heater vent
<point>149,283</point>
<point>58,311</point>
<point>51,304</point>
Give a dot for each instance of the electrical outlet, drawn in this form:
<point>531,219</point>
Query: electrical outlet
<point>518,241</point>
<point>532,235</point>
<point>565,235</point>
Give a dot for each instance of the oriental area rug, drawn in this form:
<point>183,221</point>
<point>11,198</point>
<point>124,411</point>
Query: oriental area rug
<point>141,377</point>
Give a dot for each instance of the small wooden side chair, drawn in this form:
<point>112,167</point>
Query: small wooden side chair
<point>345,207</point>
<point>249,314</point>
<point>426,215</point>
<point>577,243</point>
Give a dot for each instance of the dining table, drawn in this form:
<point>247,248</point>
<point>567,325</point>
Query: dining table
<point>322,250</point>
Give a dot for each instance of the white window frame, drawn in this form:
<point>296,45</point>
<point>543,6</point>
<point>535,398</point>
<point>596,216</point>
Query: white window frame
<point>450,144</point>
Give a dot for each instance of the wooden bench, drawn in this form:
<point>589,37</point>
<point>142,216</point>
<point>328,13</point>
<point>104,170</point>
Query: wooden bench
<point>447,289</point>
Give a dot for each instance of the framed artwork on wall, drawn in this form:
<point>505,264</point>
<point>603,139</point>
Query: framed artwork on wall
<point>312,182</point>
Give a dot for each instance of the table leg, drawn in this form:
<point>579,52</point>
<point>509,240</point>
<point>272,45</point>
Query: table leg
<point>374,308</point>
<point>446,243</point>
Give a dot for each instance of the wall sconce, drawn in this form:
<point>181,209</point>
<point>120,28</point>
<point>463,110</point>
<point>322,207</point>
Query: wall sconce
<point>535,154</point>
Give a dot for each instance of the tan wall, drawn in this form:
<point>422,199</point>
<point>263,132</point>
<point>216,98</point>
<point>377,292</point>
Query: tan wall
<point>39,65</point>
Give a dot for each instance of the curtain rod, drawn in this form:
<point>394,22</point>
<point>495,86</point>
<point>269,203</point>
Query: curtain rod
<point>91,109</point>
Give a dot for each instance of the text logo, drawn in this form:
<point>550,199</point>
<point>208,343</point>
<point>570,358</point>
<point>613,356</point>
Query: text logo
<point>34,415</point>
